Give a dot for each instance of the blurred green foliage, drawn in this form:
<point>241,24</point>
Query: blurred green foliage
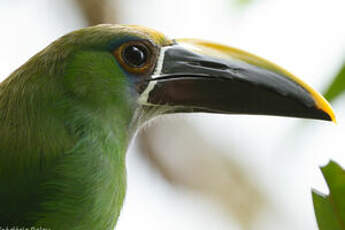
<point>337,86</point>
<point>243,2</point>
<point>330,209</point>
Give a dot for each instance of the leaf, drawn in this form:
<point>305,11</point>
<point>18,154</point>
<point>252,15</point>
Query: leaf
<point>337,86</point>
<point>330,210</point>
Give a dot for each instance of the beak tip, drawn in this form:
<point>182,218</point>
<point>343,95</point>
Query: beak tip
<point>333,118</point>
<point>330,117</point>
<point>323,105</point>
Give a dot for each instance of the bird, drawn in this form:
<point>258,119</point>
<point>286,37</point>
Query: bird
<point>68,114</point>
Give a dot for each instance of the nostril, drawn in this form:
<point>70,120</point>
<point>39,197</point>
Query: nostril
<point>209,64</point>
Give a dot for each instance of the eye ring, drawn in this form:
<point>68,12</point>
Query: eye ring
<point>136,57</point>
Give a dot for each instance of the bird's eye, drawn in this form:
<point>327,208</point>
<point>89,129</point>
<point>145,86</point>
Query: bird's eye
<point>137,57</point>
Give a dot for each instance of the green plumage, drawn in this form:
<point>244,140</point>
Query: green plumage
<point>65,123</point>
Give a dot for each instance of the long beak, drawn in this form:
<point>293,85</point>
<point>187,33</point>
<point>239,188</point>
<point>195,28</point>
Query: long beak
<point>194,75</point>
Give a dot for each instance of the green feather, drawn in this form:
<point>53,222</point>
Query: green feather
<point>66,118</point>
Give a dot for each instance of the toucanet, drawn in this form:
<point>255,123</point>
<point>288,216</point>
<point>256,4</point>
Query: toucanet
<point>68,114</point>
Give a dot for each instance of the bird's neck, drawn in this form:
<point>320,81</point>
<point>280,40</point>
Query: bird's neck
<point>99,158</point>
<point>72,157</point>
<point>94,173</point>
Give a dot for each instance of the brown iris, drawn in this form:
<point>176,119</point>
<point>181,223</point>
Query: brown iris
<point>136,57</point>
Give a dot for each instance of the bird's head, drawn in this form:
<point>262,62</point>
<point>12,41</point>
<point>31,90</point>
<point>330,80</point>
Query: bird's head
<point>136,67</point>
